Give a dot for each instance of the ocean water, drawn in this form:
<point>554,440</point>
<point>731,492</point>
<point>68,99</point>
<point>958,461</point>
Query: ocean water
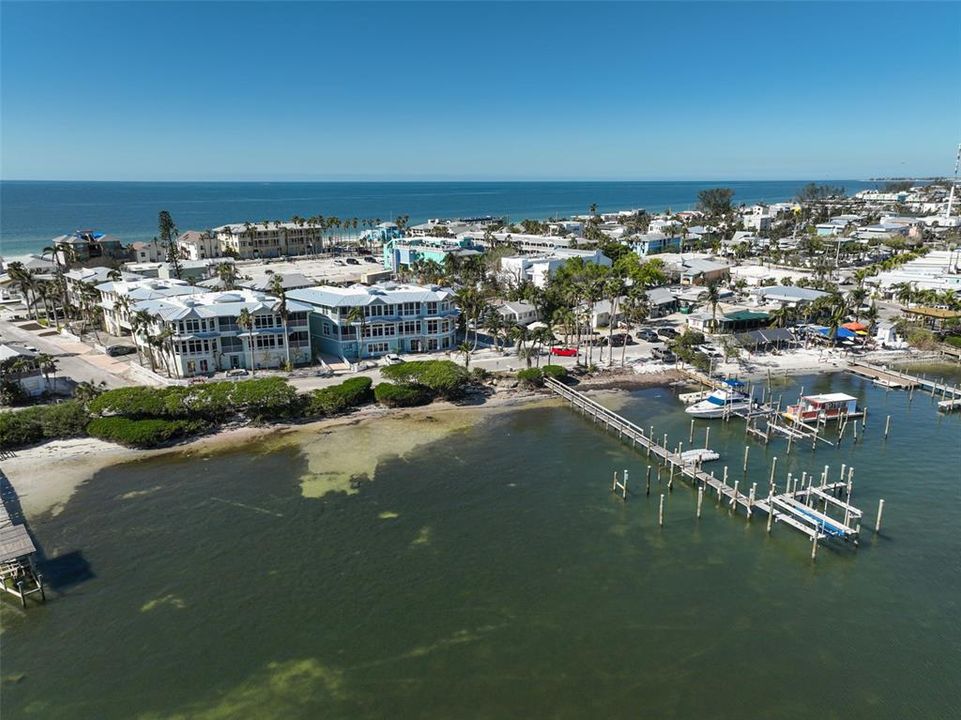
<point>492,574</point>
<point>31,213</point>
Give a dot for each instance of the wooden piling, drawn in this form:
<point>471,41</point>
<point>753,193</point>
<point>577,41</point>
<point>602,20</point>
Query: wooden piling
<point>770,509</point>
<point>877,523</point>
<point>747,449</point>
<point>660,512</point>
<point>700,499</point>
<point>707,436</point>
<point>691,437</point>
<point>734,496</point>
<point>647,489</point>
<point>773,468</point>
<point>887,426</point>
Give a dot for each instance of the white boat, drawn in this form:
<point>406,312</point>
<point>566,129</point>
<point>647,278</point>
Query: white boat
<point>718,403</point>
<point>700,455</point>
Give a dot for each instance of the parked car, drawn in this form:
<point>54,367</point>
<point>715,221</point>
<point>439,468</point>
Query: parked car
<point>619,340</point>
<point>667,333</point>
<point>370,259</point>
<point>236,372</point>
<point>115,350</point>
<point>353,261</point>
<point>338,262</point>
<point>663,354</point>
<point>564,352</point>
<point>392,359</point>
<point>647,336</point>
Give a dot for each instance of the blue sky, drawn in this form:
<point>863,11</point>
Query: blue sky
<point>169,91</point>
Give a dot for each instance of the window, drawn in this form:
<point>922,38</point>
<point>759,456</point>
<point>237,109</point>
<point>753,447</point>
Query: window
<point>411,327</point>
<point>432,326</point>
<point>432,308</point>
<point>377,347</point>
<point>410,308</point>
<point>327,328</point>
<point>264,321</point>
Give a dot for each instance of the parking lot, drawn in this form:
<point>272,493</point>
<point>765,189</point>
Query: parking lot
<point>345,269</point>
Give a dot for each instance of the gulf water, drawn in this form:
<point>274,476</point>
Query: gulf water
<point>31,213</point>
<point>492,574</point>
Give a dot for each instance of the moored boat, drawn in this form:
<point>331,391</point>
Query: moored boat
<point>719,403</point>
<point>821,408</point>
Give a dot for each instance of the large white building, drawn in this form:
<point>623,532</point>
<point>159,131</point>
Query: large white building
<point>537,269</point>
<point>396,318</point>
<point>118,298</point>
<point>204,333</point>
<point>938,270</point>
<point>267,240</point>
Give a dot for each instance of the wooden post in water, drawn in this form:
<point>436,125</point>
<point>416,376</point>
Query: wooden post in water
<point>877,523</point>
<point>750,500</point>
<point>734,496</point>
<point>814,546</point>
<point>725,475</point>
<point>670,479</point>
<point>624,486</point>
<point>790,436</point>
<point>787,484</point>
<point>747,449</point>
<point>887,426</point>
<point>666,448</point>
<point>707,436</point>
<point>773,468</point>
<point>647,490</point>
<point>700,499</point>
<point>660,512</point>
<point>614,484</point>
<point>691,438</point>
<point>770,509</point>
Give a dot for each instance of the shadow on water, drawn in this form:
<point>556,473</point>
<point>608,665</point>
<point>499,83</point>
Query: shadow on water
<point>64,571</point>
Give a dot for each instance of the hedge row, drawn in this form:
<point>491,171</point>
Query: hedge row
<point>261,398</point>
<point>393,396</point>
<point>442,377</point>
<point>45,422</point>
<point>340,398</point>
<point>144,433</point>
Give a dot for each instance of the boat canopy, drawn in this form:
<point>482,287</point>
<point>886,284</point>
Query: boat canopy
<point>733,382</point>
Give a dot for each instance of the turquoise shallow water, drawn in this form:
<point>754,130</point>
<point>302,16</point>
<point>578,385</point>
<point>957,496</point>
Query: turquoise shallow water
<point>510,583</point>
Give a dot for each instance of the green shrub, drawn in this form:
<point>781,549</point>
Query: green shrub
<point>442,377</point>
<point>147,433</point>
<point>340,398</point>
<point>260,398</point>
<point>531,377</point>
<point>46,422</point>
<point>479,375</point>
<point>953,341</point>
<point>557,372</point>
<point>392,396</point>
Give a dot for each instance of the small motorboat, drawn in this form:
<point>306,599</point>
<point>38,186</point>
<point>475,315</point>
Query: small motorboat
<point>700,455</point>
<point>719,403</point>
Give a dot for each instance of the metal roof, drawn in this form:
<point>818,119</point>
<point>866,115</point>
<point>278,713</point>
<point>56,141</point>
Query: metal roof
<point>359,295</point>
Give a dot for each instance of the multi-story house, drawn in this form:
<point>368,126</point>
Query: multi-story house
<point>267,240</point>
<point>79,280</point>
<point>403,252</point>
<point>201,334</point>
<point>538,269</point>
<point>118,298</point>
<point>361,321</point>
<point>197,245</point>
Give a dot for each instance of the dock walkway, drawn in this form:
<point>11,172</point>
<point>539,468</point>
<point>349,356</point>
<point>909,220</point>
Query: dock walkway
<point>897,379</point>
<point>783,507</point>
<point>17,574</point>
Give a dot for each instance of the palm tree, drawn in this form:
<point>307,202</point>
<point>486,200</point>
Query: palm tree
<point>356,315</point>
<point>713,298</point>
<point>613,289</point>
<point>856,299</point>
<point>139,323</point>
<point>246,323</point>
<point>636,310</point>
<point>23,279</point>
<point>465,348</point>
<point>904,293</point>
<point>277,289</point>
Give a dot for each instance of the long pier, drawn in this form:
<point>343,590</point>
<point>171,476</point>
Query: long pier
<point>796,506</point>
<point>898,379</point>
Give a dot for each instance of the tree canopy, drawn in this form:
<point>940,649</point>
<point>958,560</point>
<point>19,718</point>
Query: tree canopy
<point>715,201</point>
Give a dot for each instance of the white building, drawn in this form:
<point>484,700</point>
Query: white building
<point>538,269</point>
<point>268,240</point>
<point>206,334</point>
<point>938,270</point>
<point>118,298</point>
<point>196,245</point>
<point>518,312</point>
<point>360,321</point>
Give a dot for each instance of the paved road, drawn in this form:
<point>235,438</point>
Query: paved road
<point>77,361</point>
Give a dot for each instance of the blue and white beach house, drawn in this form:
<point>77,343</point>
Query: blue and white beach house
<point>361,321</point>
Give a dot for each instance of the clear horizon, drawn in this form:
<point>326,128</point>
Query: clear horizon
<point>474,92</point>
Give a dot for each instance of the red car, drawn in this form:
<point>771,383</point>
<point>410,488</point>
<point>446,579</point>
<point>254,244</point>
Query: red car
<point>564,352</point>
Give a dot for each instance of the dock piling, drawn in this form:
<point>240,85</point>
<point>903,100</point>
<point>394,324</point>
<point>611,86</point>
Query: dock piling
<point>877,523</point>
<point>887,426</point>
<point>660,512</point>
<point>700,499</point>
<point>691,438</point>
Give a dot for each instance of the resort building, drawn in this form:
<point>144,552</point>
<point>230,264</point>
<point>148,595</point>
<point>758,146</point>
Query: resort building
<point>788,295</point>
<point>537,269</point>
<point>525,243</point>
<point>400,253</point>
<point>147,252</point>
<point>118,298</point>
<point>694,270</point>
<point>654,242</point>
<point>206,333</point>
<point>196,245</point>
<point>937,270</point>
<point>84,245</point>
<point>361,321</point>
<point>268,240</point>
<point>78,280</point>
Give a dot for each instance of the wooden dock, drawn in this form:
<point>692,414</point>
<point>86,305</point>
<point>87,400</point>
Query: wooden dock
<point>18,577</point>
<point>794,506</point>
<point>897,379</point>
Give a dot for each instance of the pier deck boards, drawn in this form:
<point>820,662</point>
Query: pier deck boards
<point>899,379</point>
<point>782,507</point>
